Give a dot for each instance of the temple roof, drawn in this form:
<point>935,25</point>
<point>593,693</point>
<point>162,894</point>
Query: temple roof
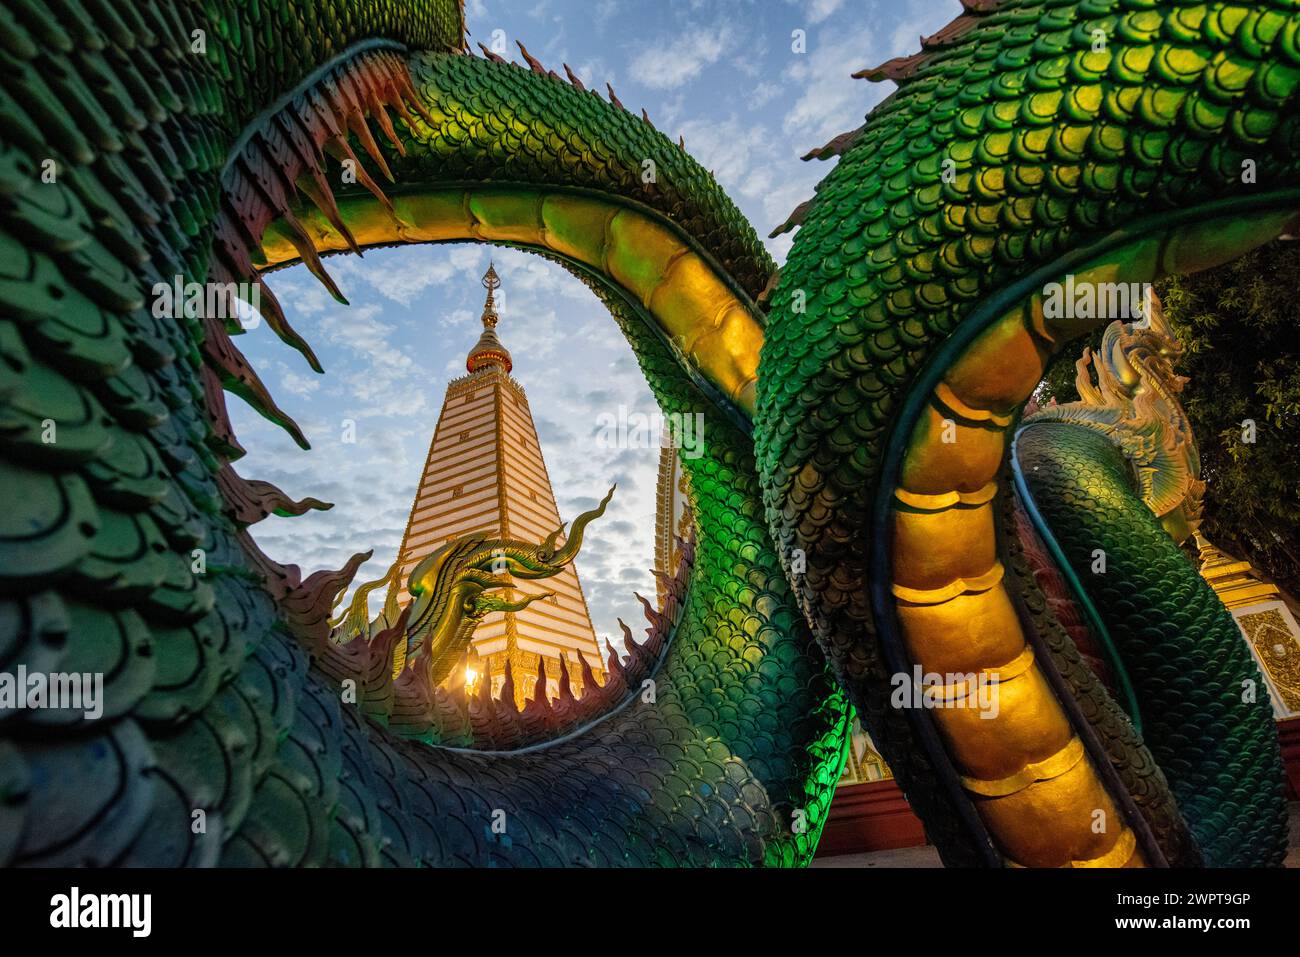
<point>1235,582</point>
<point>489,351</point>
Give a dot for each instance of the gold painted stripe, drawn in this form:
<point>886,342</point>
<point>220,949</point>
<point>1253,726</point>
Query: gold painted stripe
<point>1014,668</point>
<point>945,500</point>
<point>937,596</point>
<point>952,691</point>
<point>1044,770</point>
<point>944,394</point>
<point>700,330</point>
<point>743,394</point>
<point>669,270</point>
<point>1117,856</point>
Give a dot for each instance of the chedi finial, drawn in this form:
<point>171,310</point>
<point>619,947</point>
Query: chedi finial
<point>491,282</point>
<point>489,351</point>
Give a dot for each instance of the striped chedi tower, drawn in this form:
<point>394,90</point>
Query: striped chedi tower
<point>485,473</point>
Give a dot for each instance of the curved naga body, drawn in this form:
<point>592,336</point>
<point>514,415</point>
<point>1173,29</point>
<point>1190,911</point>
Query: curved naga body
<point>854,513</point>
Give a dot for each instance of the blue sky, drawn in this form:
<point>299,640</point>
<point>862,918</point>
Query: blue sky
<point>723,75</point>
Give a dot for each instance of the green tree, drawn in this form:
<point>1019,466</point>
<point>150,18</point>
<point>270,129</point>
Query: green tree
<point>1240,327</point>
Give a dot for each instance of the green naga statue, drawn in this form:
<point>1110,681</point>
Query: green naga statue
<point>855,497</point>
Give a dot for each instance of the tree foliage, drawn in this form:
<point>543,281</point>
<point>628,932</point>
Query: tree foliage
<point>1240,327</point>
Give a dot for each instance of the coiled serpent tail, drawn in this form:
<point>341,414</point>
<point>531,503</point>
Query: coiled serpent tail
<point>1195,680</point>
<point>1030,143</point>
<point>125,547</point>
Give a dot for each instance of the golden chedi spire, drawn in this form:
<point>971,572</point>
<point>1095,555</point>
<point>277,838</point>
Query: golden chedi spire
<point>489,351</point>
<point>485,476</point>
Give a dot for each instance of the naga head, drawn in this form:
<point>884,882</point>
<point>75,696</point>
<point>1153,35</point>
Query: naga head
<point>459,584</point>
<point>1134,401</point>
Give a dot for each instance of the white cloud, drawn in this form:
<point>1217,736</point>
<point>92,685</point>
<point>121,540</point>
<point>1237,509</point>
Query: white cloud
<point>669,64</point>
<point>605,10</point>
<point>728,147</point>
<point>669,112</point>
<point>819,10</point>
<point>816,11</point>
<point>300,385</point>
<point>752,164</point>
<point>832,101</point>
<point>763,94</point>
<point>594,73</point>
<point>405,276</point>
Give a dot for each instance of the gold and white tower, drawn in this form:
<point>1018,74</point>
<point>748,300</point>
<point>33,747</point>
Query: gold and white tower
<point>485,473</point>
